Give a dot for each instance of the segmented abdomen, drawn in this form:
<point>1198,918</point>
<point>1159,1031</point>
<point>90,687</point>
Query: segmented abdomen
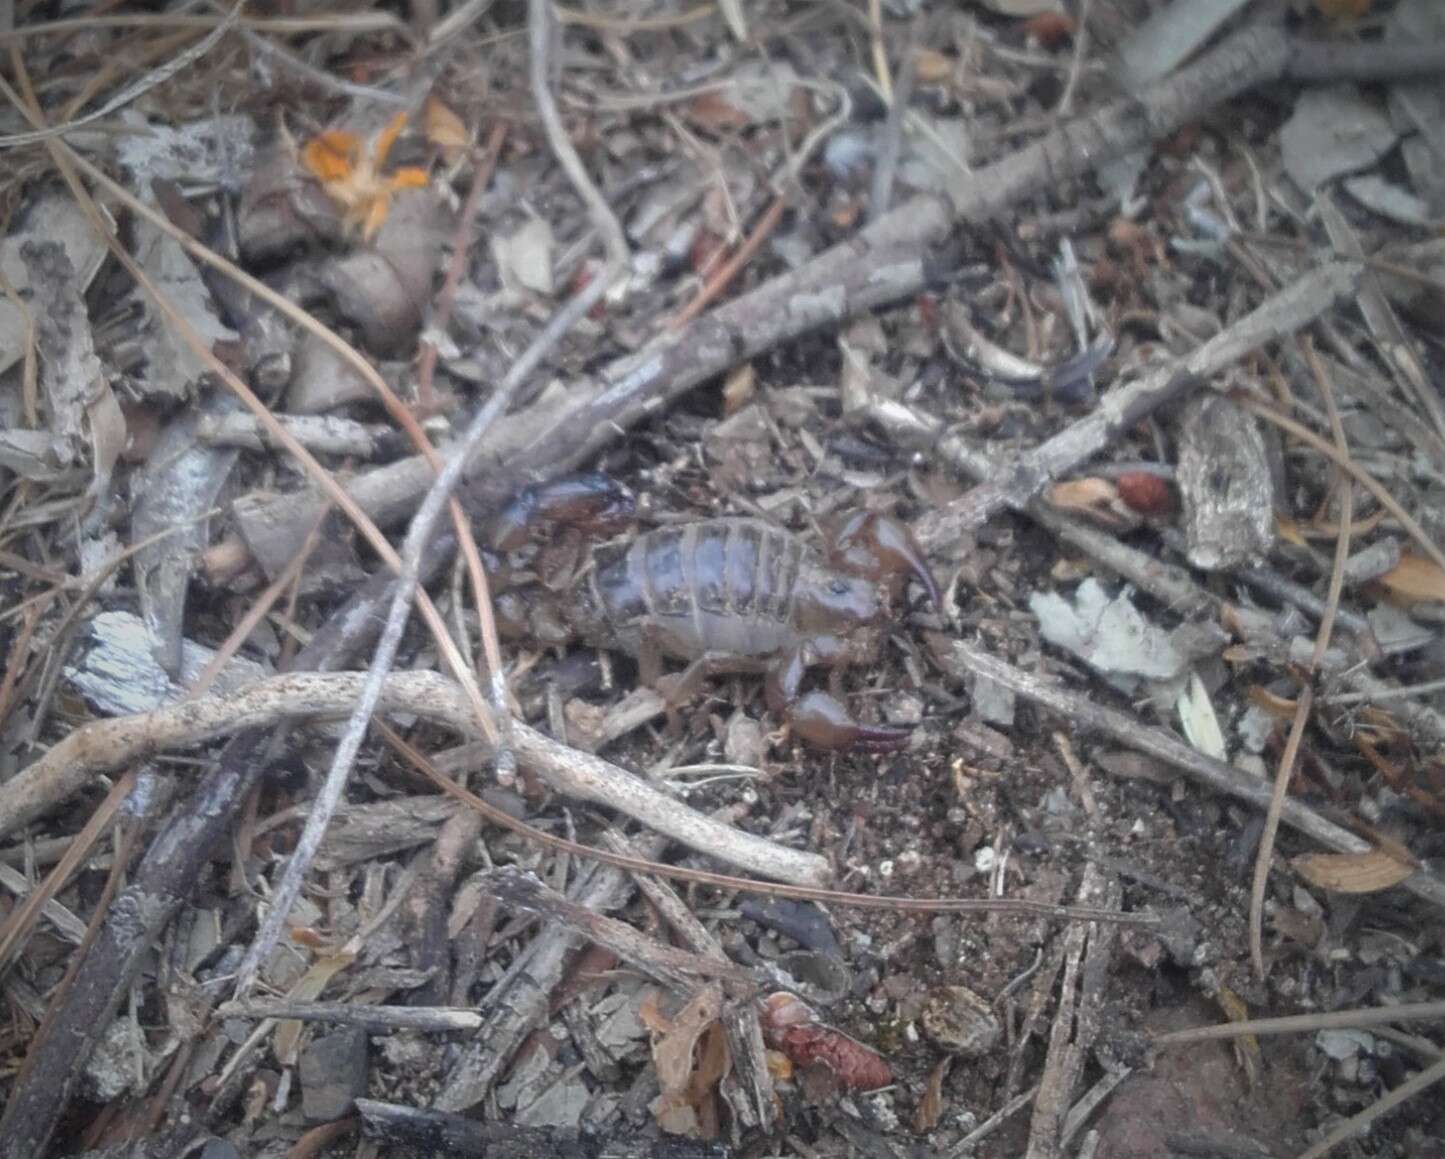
<point>720,585</point>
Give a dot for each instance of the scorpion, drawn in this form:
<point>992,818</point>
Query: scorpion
<point>725,595</point>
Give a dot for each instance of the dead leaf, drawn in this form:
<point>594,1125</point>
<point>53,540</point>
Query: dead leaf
<point>444,129</point>
<point>1272,703</point>
<point>1289,530</point>
<point>739,388</point>
<point>524,259</point>
<point>932,67</point>
<point>930,1106</point>
<point>780,1066</point>
<point>1367,872</point>
<point>685,1106</point>
<point>351,172</point>
<point>1415,579</point>
<point>1083,494</point>
<point>672,1052</point>
<point>287,1035</point>
<point>385,289</point>
<point>1198,719</point>
<point>1246,1046</point>
<point>1335,130</point>
<point>712,111</point>
<point>1022,7</point>
<point>1342,11</point>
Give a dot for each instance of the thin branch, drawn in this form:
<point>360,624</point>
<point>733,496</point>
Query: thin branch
<point>419,534</point>
<point>1358,1124</point>
<point>131,92</point>
<point>1307,694</point>
<point>1307,1023</point>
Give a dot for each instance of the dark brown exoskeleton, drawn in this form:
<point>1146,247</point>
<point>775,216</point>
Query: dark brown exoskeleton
<point>725,595</point>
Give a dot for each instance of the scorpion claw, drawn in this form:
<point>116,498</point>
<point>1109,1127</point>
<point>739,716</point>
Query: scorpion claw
<point>821,720</point>
<point>876,545</point>
<point>591,501</point>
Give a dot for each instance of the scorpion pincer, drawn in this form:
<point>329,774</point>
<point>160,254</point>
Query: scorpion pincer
<point>724,595</point>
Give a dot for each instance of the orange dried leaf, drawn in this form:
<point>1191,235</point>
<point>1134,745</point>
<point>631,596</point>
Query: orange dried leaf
<point>444,128</point>
<point>1367,872</point>
<point>1415,579</point>
<point>409,177</point>
<point>331,156</point>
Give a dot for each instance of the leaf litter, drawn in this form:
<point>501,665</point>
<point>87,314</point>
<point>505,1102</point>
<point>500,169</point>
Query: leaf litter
<point>1176,569</point>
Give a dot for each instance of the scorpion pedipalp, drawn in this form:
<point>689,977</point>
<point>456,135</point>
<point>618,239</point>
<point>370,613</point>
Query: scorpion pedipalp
<point>822,720</point>
<point>592,502</point>
<point>878,546</point>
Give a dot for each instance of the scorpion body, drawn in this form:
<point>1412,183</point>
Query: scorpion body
<point>723,595</point>
<point>728,586</point>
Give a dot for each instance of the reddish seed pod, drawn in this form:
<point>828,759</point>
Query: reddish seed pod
<point>791,1027</point>
<point>1145,493</point>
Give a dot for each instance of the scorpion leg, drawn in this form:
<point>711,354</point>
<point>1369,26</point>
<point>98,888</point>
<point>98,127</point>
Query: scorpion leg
<point>592,502</point>
<point>677,688</point>
<point>820,718</point>
<point>874,546</point>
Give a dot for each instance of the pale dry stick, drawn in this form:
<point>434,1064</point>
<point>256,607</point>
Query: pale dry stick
<point>427,1019</point>
<point>591,778</point>
<point>1381,695</point>
<point>729,270</point>
<point>308,322</point>
<point>258,609</point>
<point>104,745</point>
<point>131,92</point>
<point>1306,1023</point>
<point>461,246</point>
<point>1357,1124</point>
<point>65,161</point>
<point>1014,484</point>
<point>1265,410</point>
<point>624,25</point>
<point>419,534</point>
<point>1076,65</point>
<point>1307,694</point>
<point>885,168</point>
<point>1086,714</point>
<point>80,845</point>
<point>116,64</point>
<point>880,53</point>
<point>59,638</point>
<point>964,1147</point>
<point>349,22</point>
<point>18,923</point>
<point>524,890</point>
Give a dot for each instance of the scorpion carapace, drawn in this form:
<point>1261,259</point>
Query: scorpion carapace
<point>725,595</point>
